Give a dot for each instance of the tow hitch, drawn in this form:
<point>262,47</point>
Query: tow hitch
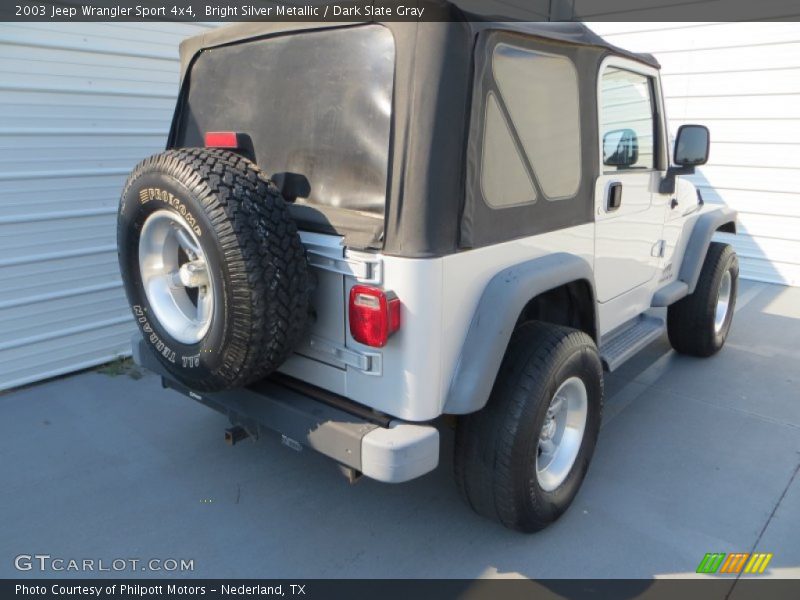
<point>236,434</point>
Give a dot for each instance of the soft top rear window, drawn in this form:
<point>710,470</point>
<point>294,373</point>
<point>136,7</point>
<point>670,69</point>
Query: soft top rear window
<point>315,104</point>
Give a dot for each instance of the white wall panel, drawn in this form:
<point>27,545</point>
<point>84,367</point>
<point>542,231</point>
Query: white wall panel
<point>80,105</point>
<point>742,80</point>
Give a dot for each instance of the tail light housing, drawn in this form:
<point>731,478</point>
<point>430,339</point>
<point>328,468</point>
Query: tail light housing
<point>374,315</point>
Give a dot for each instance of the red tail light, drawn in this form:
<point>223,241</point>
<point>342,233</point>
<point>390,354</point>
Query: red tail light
<point>222,139</point>
<point>374,315</point>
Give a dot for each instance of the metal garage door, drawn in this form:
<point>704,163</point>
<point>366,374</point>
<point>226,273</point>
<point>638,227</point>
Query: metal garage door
<point>80,104</point>
<point>742,80</point>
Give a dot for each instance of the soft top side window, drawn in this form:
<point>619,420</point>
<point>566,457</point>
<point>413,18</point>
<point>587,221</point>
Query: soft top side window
<point>532,137</point>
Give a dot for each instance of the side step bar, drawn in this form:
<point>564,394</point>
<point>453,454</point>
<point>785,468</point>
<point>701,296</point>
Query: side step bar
<point>625,341</point>
<point>392,451</point>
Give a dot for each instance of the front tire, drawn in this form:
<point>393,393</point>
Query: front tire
<point>699,324</point>
<point>522,458</point>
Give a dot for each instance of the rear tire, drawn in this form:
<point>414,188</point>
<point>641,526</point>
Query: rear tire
<point>699,324</point>
<point>506,467</point>
<point>213,267</point>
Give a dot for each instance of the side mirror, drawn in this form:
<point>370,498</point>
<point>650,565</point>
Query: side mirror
<point>691,145</point>
<point>691,150</point>
<point>620,148</point>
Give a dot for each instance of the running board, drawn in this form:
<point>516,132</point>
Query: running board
<point>622,343</point>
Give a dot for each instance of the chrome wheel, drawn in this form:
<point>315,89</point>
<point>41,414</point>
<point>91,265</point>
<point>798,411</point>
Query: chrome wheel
<point>562,434</point>
<point>723,301</point>
<point>176,277</point>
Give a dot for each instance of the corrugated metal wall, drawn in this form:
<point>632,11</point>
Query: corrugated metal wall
<point>80,104</point>
<point>742,80</point>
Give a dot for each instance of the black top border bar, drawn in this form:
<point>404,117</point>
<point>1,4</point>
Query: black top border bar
<point>396,10</point>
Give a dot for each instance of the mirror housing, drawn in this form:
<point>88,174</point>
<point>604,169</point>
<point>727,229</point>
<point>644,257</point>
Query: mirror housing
<point>620,148</point>
<point>691,145</point>
<point>691,149</point>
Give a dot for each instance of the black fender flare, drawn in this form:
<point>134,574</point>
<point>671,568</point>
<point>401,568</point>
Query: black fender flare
<point>499,307</point>
<point>695,254</point>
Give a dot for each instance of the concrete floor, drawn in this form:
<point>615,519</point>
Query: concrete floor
<point>695,456</point>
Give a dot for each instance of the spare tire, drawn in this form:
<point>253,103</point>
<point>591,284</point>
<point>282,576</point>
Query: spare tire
<point>213,267</point>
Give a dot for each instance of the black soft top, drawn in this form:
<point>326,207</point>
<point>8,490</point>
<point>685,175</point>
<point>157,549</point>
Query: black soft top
<point>431,208</point>
<point>568,32</point>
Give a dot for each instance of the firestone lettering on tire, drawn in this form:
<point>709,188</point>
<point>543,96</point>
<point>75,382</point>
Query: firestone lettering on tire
<point>148,194</point>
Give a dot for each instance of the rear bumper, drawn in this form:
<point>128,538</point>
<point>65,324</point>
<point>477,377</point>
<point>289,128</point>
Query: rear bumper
<point>387,450</point>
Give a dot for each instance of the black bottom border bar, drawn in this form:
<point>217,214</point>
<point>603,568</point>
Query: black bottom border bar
<point>404,589</point>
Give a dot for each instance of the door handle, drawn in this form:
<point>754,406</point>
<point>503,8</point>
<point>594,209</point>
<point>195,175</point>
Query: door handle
<point>614,200</point>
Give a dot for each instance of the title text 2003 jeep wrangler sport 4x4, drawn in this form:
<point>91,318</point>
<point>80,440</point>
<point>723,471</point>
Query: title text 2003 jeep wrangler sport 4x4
<point>358,228</point>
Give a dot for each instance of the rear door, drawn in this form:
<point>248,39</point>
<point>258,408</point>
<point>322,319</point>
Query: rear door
<point>629,210</point>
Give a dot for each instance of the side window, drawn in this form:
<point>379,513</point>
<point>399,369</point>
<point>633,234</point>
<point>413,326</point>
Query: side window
<point>536,98</point>
<point>504,178</point>
<point>627,122</point>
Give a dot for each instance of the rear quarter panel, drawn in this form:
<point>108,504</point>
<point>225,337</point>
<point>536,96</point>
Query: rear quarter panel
<point>439,297</point>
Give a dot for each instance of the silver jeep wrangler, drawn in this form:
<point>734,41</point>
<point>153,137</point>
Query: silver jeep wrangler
<point>359,228</point>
